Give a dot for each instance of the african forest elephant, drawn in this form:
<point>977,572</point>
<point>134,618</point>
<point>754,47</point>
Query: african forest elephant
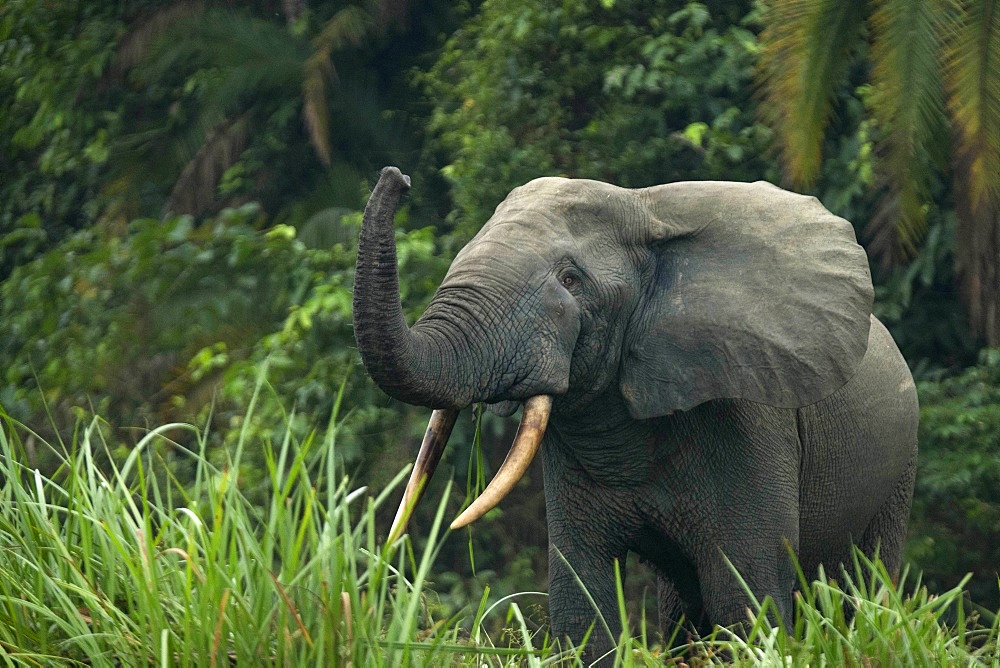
<point>711,376</point>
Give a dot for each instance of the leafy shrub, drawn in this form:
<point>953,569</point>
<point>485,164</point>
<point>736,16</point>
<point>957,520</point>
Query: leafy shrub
<point>955,524</point>
<point>57,124</point>
<point>628,92</point>
<point>919,304</point>
<point>171,321</point>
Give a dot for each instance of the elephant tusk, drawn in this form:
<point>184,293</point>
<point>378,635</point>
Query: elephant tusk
<point>435,438</point>
<point>526,443</point>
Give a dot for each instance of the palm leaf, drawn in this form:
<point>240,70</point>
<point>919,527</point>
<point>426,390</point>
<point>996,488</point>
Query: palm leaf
<point>908,104</point>
<point>973,80</point>
<point>194,191</point>
<point>805,53</point>
<point>243,55</point>
<point>315,106</point>
<point>347,28</point>
<point>227,59</point>
<point>973,83</point>
<point>136,44</point>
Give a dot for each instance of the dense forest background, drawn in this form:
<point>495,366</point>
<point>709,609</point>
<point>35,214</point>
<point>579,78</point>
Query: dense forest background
<point>181,186</point>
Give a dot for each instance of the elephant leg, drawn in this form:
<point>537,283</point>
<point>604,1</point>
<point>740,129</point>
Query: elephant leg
<point>763,567</point>
<point>582,598</point>
<point>669,606</point>
<point>886,533</point>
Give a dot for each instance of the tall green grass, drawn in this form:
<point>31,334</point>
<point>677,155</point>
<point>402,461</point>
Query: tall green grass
<point>863,618</point>
<point>120,564</point>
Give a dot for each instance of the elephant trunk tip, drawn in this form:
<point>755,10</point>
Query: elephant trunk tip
<point>399,179</point>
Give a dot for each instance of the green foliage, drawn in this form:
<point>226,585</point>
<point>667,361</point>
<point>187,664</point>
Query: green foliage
<point>156,325</point>
<point>934,87</point>
<point>114,317</point>
<point>808,48</point>
<point>955,524</point>
<point>861,617</point>
<point>632,93</point>
<point>55,131</point>
<point>312,348</point>
<point>117,111</point>
<point>919,304</point>
<point>806,53</point>
<point>107,306</point>
<point>228,96</point>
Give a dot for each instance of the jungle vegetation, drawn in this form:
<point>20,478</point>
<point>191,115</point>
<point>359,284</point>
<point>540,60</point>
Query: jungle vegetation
<point>181,184</point>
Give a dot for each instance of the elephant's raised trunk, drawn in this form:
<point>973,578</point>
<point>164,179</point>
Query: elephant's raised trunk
<point>417,365</point>
<point>407,365</point>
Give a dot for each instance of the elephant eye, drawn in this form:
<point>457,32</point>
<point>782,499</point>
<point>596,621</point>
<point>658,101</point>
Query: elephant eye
<point>569,280</point>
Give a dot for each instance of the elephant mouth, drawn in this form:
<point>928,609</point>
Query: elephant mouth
<point>526,443</point>
<point>503,408</point>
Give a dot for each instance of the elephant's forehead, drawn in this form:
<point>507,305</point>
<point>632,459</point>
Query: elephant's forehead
<point>531,241</point>
<point>557,186</point>
<point>559,206</point>
<point>546,219</point>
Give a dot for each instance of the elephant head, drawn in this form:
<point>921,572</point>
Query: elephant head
<point>671,296</point>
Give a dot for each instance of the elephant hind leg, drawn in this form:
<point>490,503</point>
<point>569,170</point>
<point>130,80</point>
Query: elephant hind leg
<point>886,533</point>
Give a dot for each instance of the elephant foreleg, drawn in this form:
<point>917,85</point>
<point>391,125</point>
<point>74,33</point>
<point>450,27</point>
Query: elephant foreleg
<point>767,571</point>
<point>582,592</point>
<point>669,606</point>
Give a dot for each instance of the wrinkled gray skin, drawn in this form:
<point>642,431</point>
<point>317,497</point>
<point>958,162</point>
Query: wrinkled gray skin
<point>720,384</point>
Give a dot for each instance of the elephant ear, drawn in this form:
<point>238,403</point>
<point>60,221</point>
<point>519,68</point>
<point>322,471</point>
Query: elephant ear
<point>757,294</point>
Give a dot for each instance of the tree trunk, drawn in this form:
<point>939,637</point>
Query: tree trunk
<point>977,256</point>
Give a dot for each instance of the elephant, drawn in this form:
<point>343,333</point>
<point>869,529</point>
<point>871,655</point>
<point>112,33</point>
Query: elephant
<point>699,367</point>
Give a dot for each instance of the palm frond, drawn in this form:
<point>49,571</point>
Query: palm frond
<point>195,189</point>
<point>973,81</point>
<point>315,106</point>
<point>898,222</point>
<point>908,103</point>
<point>347,28</point>
<point>242,54</point>
<point>223,60</point>
<point>134,46</point>
<point>805,53</point>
